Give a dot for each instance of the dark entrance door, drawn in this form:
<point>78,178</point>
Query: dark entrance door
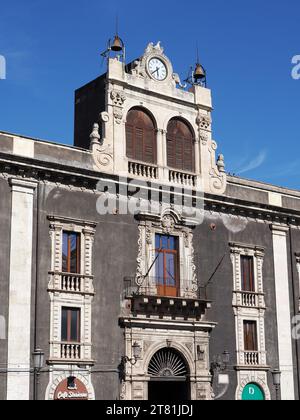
<point>163,391</point>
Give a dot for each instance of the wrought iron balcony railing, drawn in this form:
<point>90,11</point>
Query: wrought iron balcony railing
<point>158,287</point>
<point>154,296</point>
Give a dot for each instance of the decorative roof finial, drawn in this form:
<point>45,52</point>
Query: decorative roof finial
<point>95,136</point>
<point>221,163</point>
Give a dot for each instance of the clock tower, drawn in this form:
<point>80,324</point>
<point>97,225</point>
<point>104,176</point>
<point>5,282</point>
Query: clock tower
<point>141,122</point>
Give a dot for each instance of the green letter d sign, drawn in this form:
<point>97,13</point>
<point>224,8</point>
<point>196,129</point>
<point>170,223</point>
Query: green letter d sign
<point>253,392</point>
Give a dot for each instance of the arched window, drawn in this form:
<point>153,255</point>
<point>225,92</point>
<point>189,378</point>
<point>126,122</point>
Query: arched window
<point>140,136</point>
<point>180,146</point>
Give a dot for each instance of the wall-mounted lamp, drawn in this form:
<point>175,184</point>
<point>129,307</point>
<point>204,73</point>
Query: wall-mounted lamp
<point>38,363</point>
<point>277,382</point>
<point>136,352</point>
<point>221,363</point>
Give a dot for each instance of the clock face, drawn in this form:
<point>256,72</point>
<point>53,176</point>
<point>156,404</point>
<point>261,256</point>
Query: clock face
<point>157,69</point>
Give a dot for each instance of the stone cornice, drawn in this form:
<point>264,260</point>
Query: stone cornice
<point>238,245</point>
<point>167,324</point>
<point>78,222</point>
<point>35,170</point>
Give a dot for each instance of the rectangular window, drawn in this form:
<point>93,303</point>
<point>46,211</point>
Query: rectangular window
<point>71,253</point>
<point>250,336</point>
<point>247,271</point>
<point>70,325</point>
<point>167,265</point>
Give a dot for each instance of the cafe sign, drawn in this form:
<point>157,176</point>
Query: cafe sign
<point>76,391</point>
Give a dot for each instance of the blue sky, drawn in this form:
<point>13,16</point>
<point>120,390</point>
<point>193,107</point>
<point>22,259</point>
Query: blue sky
<point>52,48</point>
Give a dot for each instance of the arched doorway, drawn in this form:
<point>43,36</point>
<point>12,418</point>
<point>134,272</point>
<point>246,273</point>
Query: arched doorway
<point>169,377</point>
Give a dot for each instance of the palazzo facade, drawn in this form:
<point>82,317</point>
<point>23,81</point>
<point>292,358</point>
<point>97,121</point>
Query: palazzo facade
<point>134,261</point>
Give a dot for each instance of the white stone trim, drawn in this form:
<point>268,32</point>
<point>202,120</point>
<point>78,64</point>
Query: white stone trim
<point>168,223</point>
<point>20,286</point>
<point>76,302</point>
<point>154,338</point>
<point>125,91</point>
<point>59,373</point>
<point>59,298</point>
<point>283,307</point>
<point>259,378</point>
<point>247,313</point>
<point>257,253</point>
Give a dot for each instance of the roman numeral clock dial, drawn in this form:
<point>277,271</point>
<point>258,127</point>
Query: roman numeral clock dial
<point>157,69</point>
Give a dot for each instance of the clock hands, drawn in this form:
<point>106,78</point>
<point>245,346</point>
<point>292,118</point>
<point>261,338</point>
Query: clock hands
<point>155,71</point>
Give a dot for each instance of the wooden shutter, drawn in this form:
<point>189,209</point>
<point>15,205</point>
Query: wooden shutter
<point>129,142</point>
<point>250,336</point>
<point>171,153</point>
<point>189,155</point>
<point>139,144</point>
<point>180,146</point>
<point>149,146</point>
<point>140,137</point>
<point>247,270</point>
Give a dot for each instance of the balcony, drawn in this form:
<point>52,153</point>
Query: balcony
<point>249,300</point>
<point>149,297</point>
<point>182,178</point>
<point>143,170</point>
<point>70,351</point>
<point>251,358</point>
<point>71,283</point>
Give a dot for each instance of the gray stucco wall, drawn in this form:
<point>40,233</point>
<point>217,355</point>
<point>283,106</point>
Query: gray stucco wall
<point>115,253</point>
<point>211,246</point>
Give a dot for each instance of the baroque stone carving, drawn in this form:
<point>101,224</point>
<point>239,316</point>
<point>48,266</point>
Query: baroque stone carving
<point>149,236</point>
<point>140,66</point>
<point>140,259</point>
<point>168,224</point>
<point>102,153</point>
<point>118,97</point>
<point>118,115</point>
<point>203,121</point>
<point>218,178</point>
<point>104,117</point>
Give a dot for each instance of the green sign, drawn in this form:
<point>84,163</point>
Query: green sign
<point>253,392</point>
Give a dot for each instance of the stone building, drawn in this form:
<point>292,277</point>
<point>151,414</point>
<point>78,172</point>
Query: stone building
<point>133,260</point>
